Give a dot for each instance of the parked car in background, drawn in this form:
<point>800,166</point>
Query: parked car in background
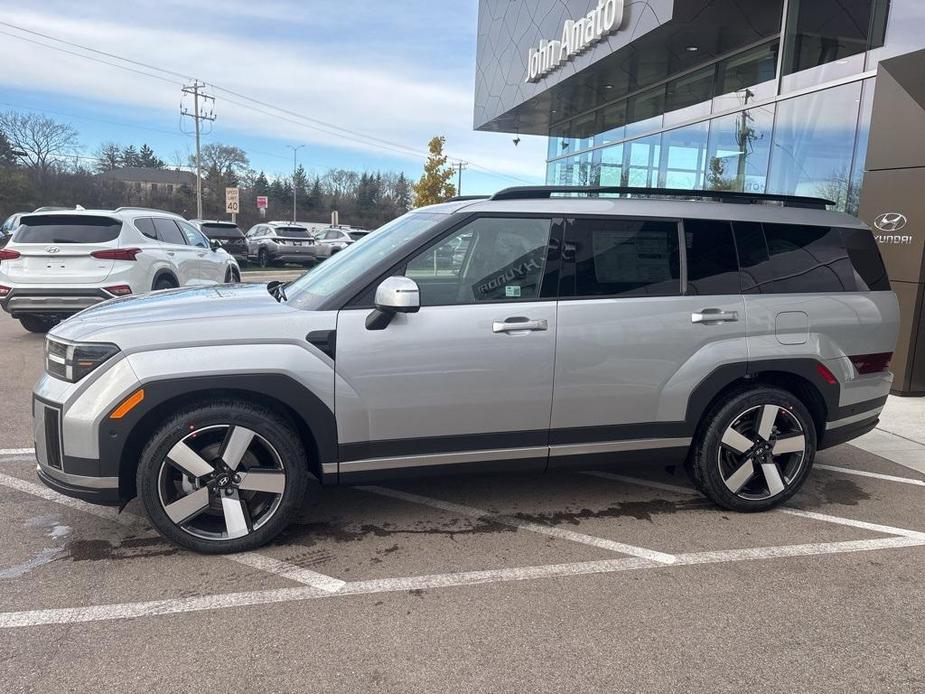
<point>276,243</point>
<point>225,235</point>
<point>333,239</point>
<point>8,226</point>
<point>61,262</point>
<point>736,336</point>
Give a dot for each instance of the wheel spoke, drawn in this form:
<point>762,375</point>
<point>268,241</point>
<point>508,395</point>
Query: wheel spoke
<point>736,441</point>
<point>189,461</point>
<point>237,518</point>
<point>773,478</point>
<point>766,421</point>
<point>791,444</point>
<point>187,507</point>
<point>235,446</point>
<point>741,477</point>
<point>273,481</point>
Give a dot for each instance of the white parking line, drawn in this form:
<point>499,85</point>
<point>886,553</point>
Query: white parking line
<point>549,531</point>
<point>17,451</point>
<point>72,615</point>
<point>140,526</point>
<point>874,527</point>
<point>875,475</point>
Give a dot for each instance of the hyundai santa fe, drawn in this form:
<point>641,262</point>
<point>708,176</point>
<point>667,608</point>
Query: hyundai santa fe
<point>60,262</point>
<point>731,333</point>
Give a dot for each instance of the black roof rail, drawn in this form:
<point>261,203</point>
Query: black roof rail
<point>543,192</point>
<point>461,198</point>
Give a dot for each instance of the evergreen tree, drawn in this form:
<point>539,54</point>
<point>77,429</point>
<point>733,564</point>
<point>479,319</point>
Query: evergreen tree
<point>261,184</point>
<point>402,193</point>
<point>434,185</point>
<point>129,156</point>
<point>108,157</point>
<point>148,159</point>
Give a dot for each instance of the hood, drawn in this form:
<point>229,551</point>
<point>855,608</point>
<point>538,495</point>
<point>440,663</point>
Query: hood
<point>190,308</point>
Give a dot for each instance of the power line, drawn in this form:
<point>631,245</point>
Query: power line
<point>334,130</point>
<point>206,113</point>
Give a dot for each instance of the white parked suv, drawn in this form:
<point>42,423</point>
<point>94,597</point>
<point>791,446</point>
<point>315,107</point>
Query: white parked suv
<point>62,262</point>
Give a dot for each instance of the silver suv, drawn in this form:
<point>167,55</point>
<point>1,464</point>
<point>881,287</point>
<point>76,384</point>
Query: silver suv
<point>272,243</point>
<point>735,334</point>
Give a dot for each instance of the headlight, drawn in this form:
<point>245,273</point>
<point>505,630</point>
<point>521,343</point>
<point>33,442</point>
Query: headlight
<point>72,361</point>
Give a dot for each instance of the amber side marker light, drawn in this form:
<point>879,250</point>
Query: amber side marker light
<point>128,404</point>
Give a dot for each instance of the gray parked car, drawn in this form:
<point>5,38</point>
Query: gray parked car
<point>335,239</point>
<point>736,339</point>
<point>275,243</point>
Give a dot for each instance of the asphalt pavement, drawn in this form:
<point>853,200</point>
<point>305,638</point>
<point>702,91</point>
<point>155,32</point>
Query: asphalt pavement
<point>622,581</point>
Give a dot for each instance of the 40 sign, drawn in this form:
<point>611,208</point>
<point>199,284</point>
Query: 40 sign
<point>232,200</point>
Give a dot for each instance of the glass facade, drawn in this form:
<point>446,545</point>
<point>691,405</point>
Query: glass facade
<point>786,116</point>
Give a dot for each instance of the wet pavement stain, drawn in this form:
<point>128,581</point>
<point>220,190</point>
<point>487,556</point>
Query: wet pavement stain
<point>129,548</point>
<point>307,534</point>
<point>841,491</point>
<point>640,510</point>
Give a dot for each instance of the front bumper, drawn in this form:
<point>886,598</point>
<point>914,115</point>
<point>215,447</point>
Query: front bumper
<point>76,487</point>
<point>51,300</point>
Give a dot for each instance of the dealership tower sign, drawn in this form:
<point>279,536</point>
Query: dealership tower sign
<point>577,36</point>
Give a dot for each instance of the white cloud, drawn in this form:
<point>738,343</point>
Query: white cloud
<point>386,95</point>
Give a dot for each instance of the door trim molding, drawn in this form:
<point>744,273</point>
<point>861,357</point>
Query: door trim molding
<point>438,459</point>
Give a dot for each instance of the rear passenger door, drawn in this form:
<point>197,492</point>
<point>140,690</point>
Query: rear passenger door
<point>184,258</point>
<point>210,266</point>
<point>647,310</point>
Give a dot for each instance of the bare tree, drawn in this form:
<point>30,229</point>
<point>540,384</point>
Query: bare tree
<point>42,140</point>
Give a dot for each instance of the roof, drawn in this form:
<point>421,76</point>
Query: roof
<point>140,174</point>
<point>656,208</point>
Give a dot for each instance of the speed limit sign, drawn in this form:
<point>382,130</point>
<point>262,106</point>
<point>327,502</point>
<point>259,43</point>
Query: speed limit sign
<point>232,197</point>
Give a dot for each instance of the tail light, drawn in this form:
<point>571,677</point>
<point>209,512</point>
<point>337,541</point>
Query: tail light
<point>827,375</point>
<point>872,363</point>
<point>119,290</point>
<point>4,290</point>
<point>117,254</point>
<point>8,254</point>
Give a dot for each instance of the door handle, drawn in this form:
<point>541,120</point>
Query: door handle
<point>171,253</point>
<point>714,315</point>
<point>517,324</point>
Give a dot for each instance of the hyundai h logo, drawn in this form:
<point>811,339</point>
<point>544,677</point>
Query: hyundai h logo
<point>52,249</point>
<point>891,221</point>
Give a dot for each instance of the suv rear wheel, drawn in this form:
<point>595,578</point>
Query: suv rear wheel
<point>223,477</point>
<point>755,450</point>
<point>37,324</point>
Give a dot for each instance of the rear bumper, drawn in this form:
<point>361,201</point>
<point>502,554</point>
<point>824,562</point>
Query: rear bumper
<point>51,300</point>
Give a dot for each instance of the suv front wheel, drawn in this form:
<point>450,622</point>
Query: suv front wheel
<point>223,477</point>
<point>755,449</point>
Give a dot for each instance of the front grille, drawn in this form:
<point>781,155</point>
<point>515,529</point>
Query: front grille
<point>53,437</point>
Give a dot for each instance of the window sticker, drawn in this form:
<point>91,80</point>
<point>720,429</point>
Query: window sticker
<point>512,291</point>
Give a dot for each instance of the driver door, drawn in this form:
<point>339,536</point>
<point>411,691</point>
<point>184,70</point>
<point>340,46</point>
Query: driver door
<point>468,379</point>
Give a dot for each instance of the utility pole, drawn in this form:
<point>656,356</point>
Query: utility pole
<point>198,115</point>
<point>295,150</point>
<point>461,166</point>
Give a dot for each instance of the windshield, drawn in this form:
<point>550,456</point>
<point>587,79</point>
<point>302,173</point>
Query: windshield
<point>310,290</point>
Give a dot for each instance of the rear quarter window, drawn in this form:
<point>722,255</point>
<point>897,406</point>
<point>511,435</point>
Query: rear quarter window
<point>869,272</point>
<point>68,229</point>
<point>808,259</point>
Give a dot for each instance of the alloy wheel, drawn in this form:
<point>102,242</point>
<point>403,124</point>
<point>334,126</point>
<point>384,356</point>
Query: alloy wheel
<point>221,482</point>
<point>762,452</point>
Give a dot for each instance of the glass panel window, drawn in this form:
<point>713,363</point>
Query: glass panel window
<point>739,150</point>
<point>853,199</point>
<point>689,96</point>
<point>644,112</point>
<point>683,157</point>
<point>610,165</point>
<point>168,231</point>
<point>814,143</point>
<point>744,78</point>
<point>641,159</point>
<point>616,257</point>
<point>902,22</point>
<point>612,122</point>
<point>712,265</point>
<point>490,259</point>
<point>820,32</point>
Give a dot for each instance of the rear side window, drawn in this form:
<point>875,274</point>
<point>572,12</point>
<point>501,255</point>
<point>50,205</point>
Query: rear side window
<point>620,257</point>
<point>68,229</point>
<point>168,231</point>
<point>712,265</point>
<point>869,272</point>
<point>754,261</point>
<point>808,259</point>
<point>146,227</point>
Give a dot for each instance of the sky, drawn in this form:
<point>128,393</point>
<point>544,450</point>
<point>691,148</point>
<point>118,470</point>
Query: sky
<point>399,71</point>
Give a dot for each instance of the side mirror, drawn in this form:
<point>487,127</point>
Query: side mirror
<point>214,244</point>
<point>394,295</point>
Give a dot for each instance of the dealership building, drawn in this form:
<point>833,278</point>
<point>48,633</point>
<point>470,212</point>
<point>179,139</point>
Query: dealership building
<point>822,98</point>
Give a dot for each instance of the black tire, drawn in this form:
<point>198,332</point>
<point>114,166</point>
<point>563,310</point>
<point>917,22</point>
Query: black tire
<point>232,276</point>
<point>37,324</point>
<point>164,283</point>
<point>263,258</point>
<point>207,429</point>
<point>743,464</point>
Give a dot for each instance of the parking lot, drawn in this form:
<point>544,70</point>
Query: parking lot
<point>623,580</point>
